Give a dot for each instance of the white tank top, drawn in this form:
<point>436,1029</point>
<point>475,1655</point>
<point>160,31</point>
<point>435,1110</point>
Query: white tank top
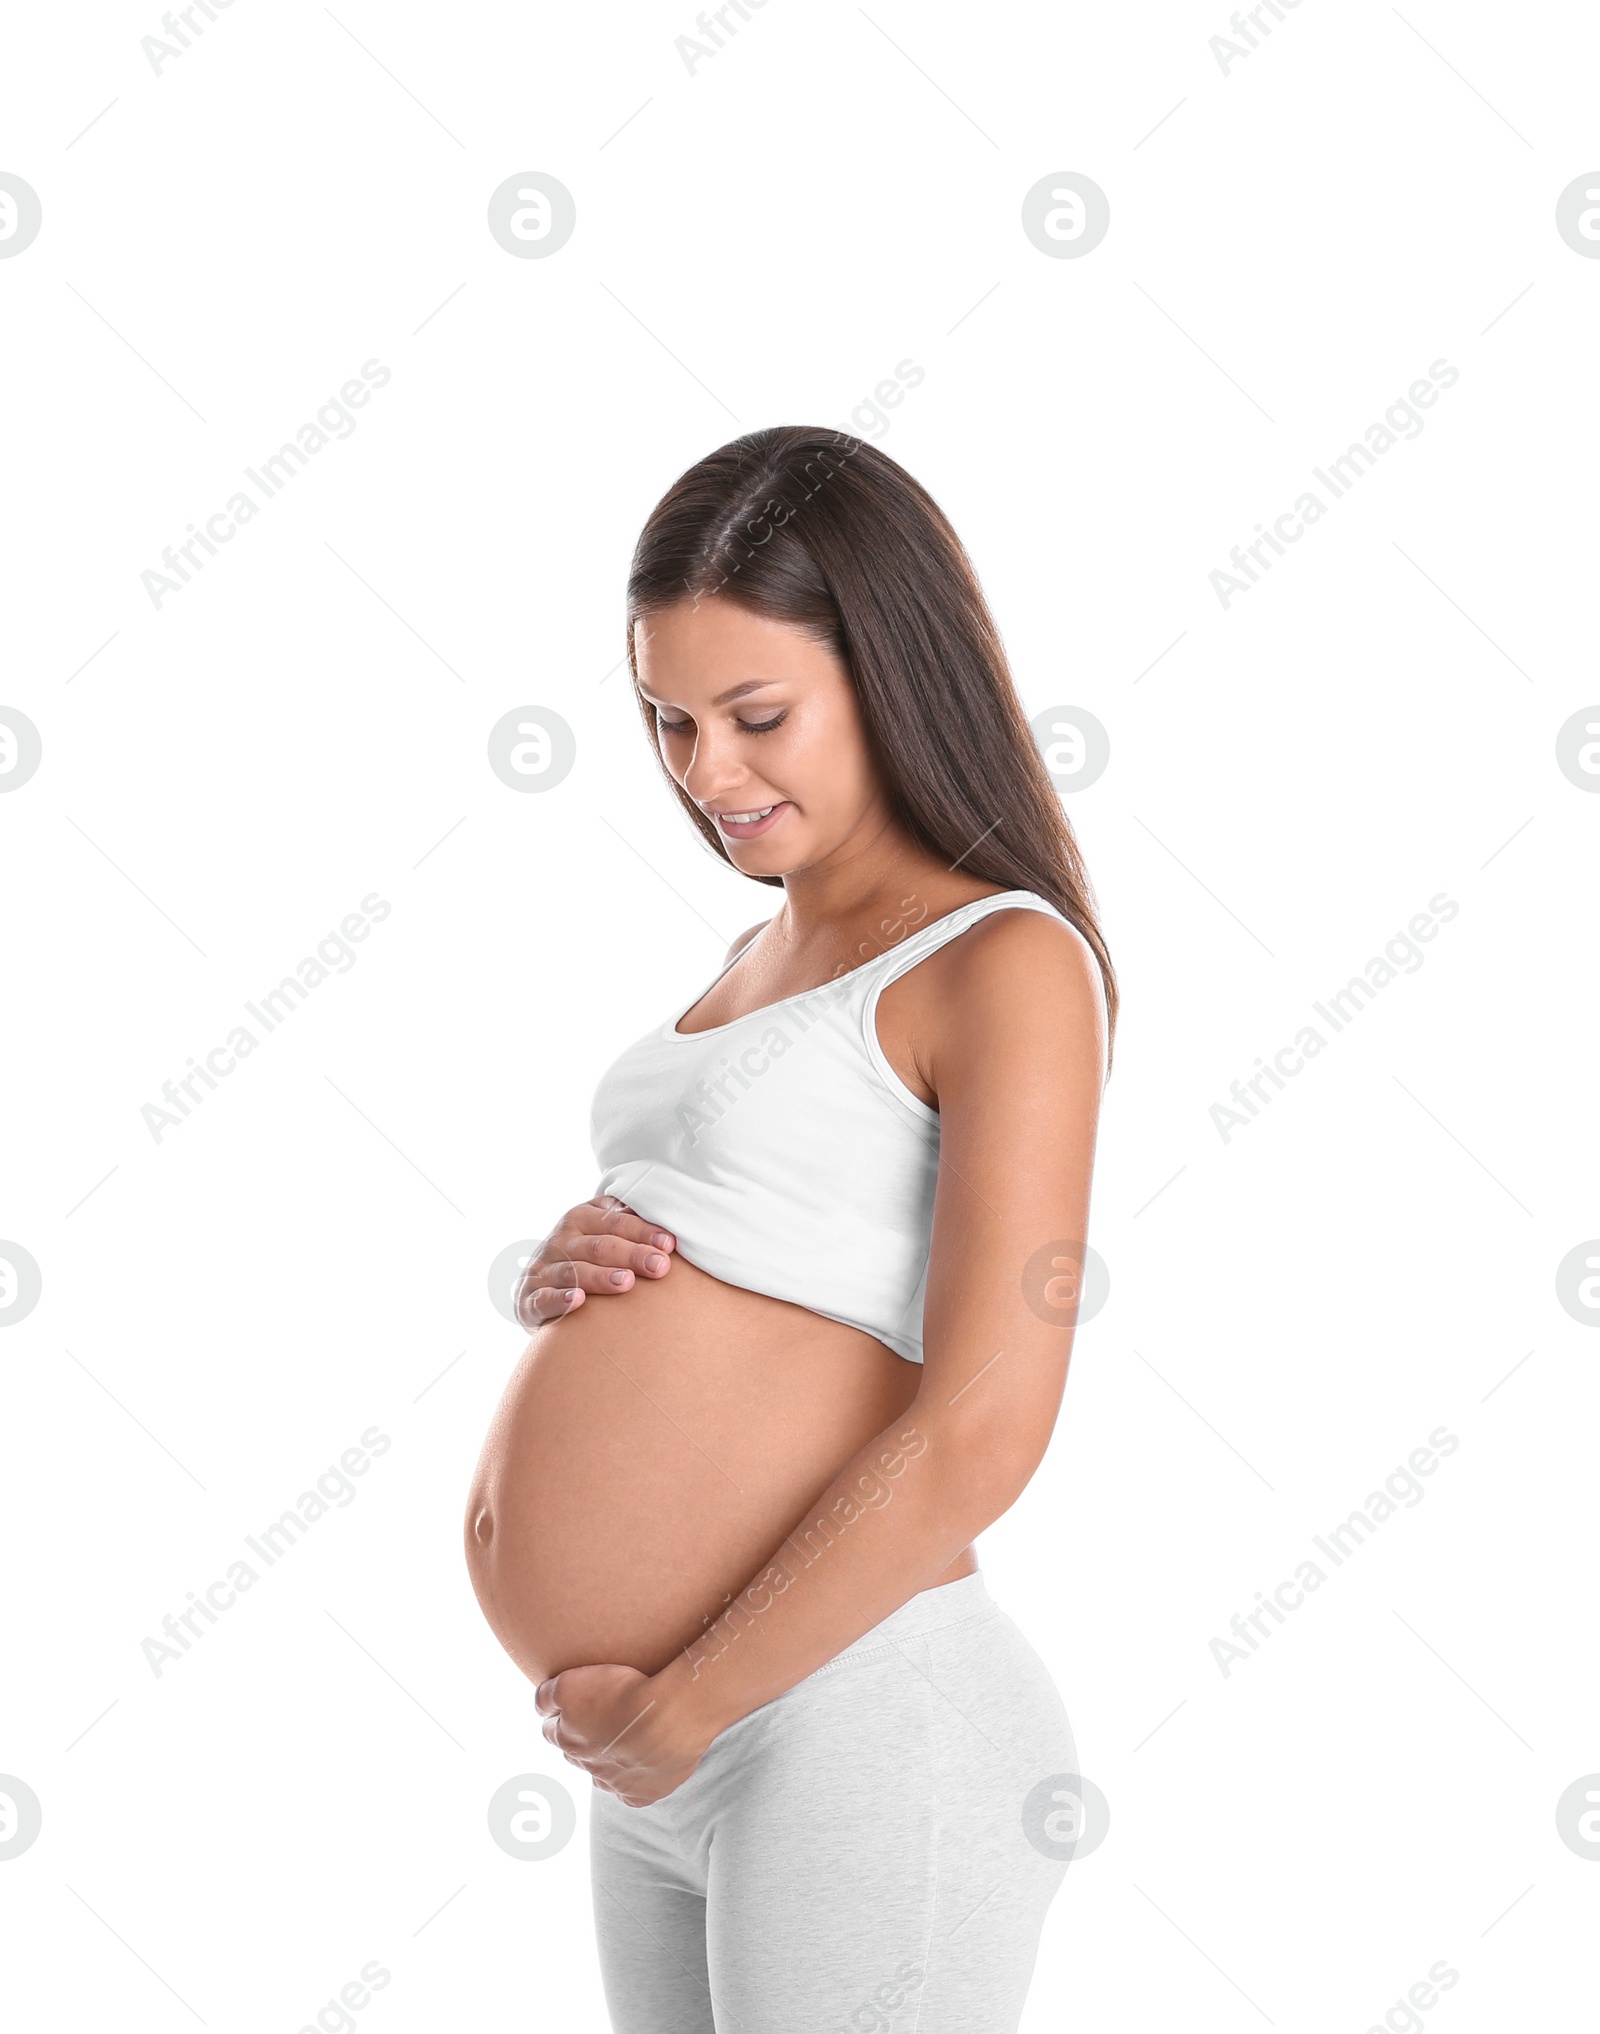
<point>783,1151</point>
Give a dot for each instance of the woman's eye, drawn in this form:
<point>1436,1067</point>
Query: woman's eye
<point>678,727</point>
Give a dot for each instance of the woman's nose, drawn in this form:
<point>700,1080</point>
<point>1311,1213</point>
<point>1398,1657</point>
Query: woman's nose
<point>713,776</point>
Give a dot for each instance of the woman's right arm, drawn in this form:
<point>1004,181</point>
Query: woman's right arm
<point>600,1246</point>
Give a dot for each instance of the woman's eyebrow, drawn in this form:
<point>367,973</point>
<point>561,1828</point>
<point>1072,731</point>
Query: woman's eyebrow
<point>739,691</point>
<point>722,698</point>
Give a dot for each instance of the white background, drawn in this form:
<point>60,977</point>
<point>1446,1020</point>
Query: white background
<point>1293,1309</point>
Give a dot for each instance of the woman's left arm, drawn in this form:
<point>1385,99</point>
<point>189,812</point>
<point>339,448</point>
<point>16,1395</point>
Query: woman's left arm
<point>1016,1057</point>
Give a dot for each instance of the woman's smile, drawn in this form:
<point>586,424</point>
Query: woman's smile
<point>748,824</point>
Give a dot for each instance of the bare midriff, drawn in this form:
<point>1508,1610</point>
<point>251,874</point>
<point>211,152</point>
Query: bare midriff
<point>650,1454</point>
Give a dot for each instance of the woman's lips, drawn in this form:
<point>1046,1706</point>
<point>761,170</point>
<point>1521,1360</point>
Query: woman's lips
<point>734,830</point>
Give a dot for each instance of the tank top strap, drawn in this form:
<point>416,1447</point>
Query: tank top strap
<point>858,989</point>
<point>929,938</point>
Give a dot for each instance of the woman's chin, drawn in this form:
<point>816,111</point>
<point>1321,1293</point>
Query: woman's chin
<point>766,855</point>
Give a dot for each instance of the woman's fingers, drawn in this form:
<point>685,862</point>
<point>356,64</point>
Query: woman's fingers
<point>547,1303</point>
<point>588,1261</point>
<point>612,1217</point>
<point>555,1733</point>
<point>559,1278</point>
<point>600,1246</point>
<point>606,1252</point>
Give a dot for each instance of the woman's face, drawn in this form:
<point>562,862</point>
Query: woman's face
<point>760,724</point>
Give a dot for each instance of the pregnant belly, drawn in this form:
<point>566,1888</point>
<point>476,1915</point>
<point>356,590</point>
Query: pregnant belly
<point>650,1453</point>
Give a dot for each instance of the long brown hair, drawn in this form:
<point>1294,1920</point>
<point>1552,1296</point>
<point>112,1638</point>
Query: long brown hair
<point>823,531</point>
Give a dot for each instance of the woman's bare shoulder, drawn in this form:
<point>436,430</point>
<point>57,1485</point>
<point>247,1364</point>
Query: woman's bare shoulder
<point>1019,981</point>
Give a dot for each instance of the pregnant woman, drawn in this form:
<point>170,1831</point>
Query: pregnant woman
<point>810,1336</point>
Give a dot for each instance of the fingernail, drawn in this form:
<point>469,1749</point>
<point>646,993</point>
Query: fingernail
<point>655,1262</point>
<point>571,1294</point>
<point>661,1240</point>
<point>619,1278</point>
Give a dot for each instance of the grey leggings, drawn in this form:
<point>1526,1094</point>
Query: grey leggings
<point>873,1851</point>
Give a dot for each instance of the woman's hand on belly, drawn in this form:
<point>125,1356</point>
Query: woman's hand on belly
<point>610,1721</point>
<point>600,1246</point>
<point>646,1458</point>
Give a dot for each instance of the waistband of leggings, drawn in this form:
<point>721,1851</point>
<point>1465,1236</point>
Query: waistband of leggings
<point>931,1610</point>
